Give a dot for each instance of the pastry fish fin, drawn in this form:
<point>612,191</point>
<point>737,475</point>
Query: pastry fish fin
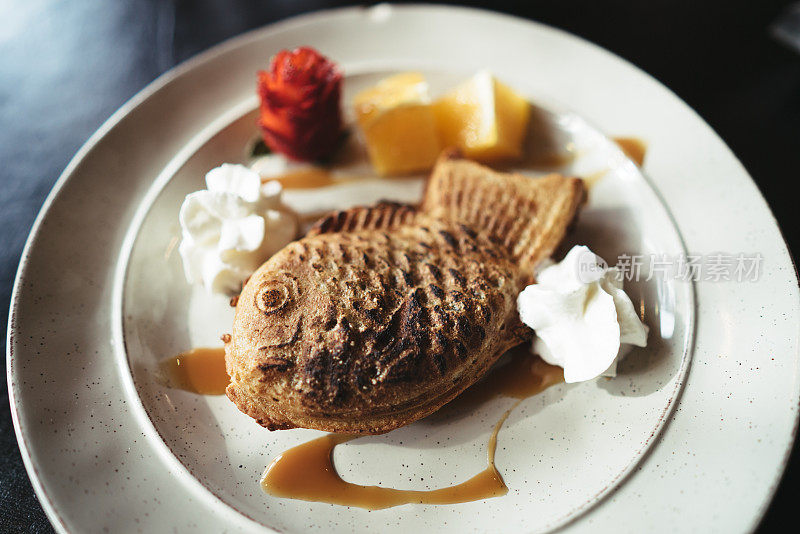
<point>527,216</point>
<point>382,216</point>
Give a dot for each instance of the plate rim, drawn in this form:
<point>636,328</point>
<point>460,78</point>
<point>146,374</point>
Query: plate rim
<point>251,35</point>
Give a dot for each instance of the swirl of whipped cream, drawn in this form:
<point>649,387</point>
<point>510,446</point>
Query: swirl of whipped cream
<point>232,227</point>
<point>581,316</point>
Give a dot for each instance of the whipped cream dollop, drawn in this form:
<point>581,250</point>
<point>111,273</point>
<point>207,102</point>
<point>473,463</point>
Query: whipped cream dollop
<point>232,227</point>
<point>581,316</point>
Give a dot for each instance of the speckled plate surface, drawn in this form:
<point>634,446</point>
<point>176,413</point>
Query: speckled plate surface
<point>100,299</point>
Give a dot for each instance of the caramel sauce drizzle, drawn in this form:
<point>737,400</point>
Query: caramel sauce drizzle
<point>634,148</point>
<point>311,178</point>
<point>200,370</point>
<point>319,177</point>
<point>307,472</point>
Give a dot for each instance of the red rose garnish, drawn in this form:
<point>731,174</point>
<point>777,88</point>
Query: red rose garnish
<point>300,104</point>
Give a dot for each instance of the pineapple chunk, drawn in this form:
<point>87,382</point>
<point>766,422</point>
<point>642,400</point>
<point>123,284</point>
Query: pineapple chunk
<point>484,118</point>
<point>397,121</point>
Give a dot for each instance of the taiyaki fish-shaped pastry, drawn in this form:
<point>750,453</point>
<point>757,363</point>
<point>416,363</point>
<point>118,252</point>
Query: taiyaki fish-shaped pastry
<point>380,315</point>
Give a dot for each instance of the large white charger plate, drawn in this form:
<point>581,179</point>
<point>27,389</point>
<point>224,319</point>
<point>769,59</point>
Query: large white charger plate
<point>100,298</point>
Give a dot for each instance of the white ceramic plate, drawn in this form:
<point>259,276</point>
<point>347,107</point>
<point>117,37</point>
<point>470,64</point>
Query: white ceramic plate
<point>100,298</point>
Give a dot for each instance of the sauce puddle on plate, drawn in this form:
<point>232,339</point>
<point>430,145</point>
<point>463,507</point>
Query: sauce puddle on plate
<point>633,148</point>
<point>199,370</point>
<point>307,472</point>
<point>311,178</point>
<point>320,177</point>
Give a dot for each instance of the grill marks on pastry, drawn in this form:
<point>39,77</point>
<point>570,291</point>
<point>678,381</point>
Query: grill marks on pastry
<point>276,363</point>
<point>449,239</point>
<point>384,216</point>
<point>430,317</point>
<point>327,368</point>
<point>528,222</point>
<point>435,272</point>
<point>436,291</point>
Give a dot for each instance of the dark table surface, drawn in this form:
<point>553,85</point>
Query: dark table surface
<point>66,66</point>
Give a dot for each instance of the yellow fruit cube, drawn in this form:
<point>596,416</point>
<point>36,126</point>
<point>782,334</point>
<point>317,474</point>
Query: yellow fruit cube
<point>397,121</point>
<point>484,118</point>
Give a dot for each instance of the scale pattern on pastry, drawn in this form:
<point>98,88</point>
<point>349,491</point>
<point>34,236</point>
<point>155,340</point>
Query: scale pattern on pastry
<point>380,315</point>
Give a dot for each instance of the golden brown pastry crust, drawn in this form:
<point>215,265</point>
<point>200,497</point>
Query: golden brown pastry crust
<point>381,315</point>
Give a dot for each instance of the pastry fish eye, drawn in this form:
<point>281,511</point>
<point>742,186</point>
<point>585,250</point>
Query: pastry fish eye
<point>274,295</point>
